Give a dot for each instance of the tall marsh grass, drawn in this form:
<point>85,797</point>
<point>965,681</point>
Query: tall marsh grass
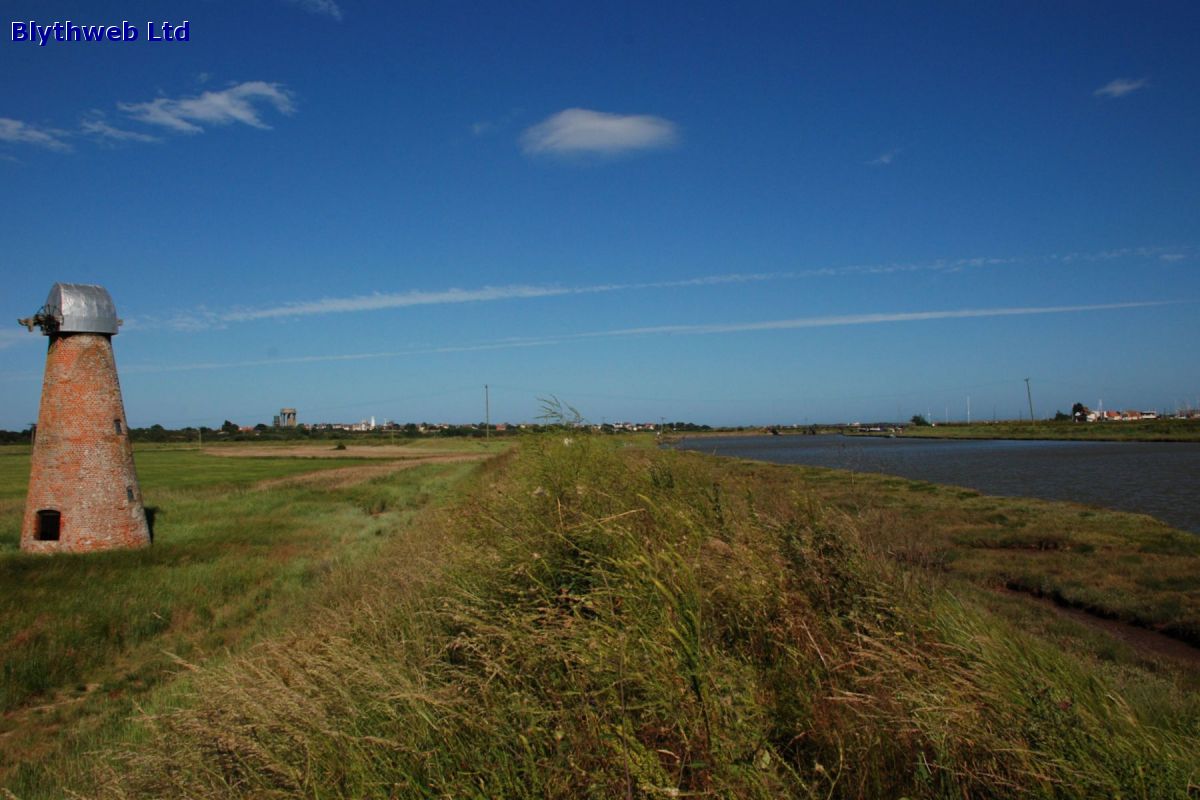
<point>605,622</point>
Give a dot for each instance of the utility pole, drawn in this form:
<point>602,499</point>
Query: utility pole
<point>487,414</point>
<point>968,409</point>
<point>200,433</point>
<point>1029,394</point>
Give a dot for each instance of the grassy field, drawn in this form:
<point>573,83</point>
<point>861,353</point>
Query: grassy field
<point>1159,430</point>
<point>589,619</point>
<point>238,549</point>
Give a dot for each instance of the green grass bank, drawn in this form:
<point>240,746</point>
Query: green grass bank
<point>242,547</point>
<point>592,620</point>
<point>1158,430</point>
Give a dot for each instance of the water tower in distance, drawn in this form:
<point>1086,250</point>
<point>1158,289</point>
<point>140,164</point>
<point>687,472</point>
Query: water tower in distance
<point>83,489</point>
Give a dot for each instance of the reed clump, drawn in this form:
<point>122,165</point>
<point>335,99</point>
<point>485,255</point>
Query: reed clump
<point>615,622</point>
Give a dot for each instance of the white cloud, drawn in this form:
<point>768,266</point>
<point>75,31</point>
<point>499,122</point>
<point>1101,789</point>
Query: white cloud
<point>884,159</point>
<point>1172,257</point>
<point>1121,87</point>
<point>95,125</point>
<point>578,131</point>
<point>17,132</point>
<point>239,103</point>
<point>326,7</point>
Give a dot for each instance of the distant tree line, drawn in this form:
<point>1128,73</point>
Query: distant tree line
<point>230,431</point>
<point>16,437</point>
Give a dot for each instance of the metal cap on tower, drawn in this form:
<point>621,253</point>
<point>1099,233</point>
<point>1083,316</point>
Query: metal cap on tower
<point>76,308</point>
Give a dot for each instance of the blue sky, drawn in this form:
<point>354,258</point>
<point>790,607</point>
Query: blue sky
<point>764,213</point>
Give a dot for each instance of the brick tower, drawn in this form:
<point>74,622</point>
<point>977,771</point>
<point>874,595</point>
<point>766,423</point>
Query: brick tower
<point>83,489</point>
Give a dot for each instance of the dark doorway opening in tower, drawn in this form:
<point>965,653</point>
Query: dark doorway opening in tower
<point>117,426</point>
<point>49,525</point>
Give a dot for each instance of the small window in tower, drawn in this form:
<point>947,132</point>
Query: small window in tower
<point>129,493</point>
<point>117,426</point>
<point>49,525</point>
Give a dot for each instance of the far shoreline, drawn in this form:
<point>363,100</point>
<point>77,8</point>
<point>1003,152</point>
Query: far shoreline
<point>1163,430</point>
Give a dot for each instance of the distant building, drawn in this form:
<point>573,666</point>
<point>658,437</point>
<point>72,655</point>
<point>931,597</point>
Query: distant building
<point>286,418</point>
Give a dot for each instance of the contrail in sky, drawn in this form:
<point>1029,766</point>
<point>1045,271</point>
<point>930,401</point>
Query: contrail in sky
<point>673,330</point>
<point>377,301</point>
<point>859,319</point>
<point>204,319</point>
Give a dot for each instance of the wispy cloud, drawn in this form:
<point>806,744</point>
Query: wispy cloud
<point>1121,252</point>
<point>884,159</point>
<point>95,125</point>
<point>1120,87</point>
<point>579,131</point>
<point>242,103</point>
<point>379,300</point>
<point>701,329</point>
<point>202,319</point>
<point>862,319</point>
<point>487,127</point>
<point>205,319</point>
<point>327,7</point>
<point>14,131</point>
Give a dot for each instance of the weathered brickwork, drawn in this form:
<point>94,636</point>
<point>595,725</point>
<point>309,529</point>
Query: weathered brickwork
<point>82,465</point>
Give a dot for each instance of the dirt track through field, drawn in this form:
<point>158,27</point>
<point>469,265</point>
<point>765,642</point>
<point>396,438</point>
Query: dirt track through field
<point>348,476</point>
<point>374,452</point>
<point>1143,640</point>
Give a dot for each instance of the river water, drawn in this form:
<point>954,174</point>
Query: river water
<point>1157,478</point>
